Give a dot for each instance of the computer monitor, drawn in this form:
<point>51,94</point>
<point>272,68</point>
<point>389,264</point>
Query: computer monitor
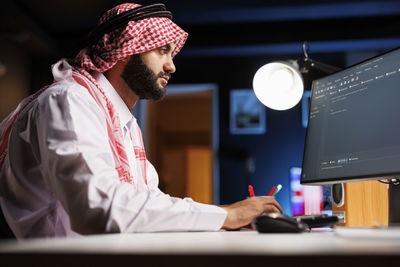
<point>353,130</point>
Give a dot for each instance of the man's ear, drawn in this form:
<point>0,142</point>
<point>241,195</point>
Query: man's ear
<point>117,69</point>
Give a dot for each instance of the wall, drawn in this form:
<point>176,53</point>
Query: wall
<point>15,83</point>
<point>274,152</point>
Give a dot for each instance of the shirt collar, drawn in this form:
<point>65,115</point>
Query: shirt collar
<point>125,116</point>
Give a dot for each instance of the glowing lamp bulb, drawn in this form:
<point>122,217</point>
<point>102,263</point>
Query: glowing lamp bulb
<point>278,85</point>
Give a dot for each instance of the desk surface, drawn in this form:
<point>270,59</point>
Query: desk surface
<point>227,244</point>
<point>238,242</point>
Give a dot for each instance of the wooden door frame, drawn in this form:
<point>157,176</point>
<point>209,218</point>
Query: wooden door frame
<point>140,112</point>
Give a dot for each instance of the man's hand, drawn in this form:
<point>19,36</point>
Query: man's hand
<point>242,213</point>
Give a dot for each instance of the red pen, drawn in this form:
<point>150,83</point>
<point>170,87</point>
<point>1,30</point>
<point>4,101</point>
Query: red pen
<point>272,191</point>
<point>251,191</point>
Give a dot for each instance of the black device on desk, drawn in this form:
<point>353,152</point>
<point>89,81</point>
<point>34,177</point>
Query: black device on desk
<point>279,223</point>
<point>317,220</point>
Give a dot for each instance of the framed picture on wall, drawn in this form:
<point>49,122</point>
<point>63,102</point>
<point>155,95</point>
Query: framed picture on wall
<point>247,113</point>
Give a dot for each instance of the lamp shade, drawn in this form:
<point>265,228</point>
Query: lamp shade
<point>278,85</point>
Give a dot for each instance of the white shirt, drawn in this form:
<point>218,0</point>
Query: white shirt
<point>59,176</point>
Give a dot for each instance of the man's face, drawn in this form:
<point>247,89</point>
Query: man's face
<point>147,74</point>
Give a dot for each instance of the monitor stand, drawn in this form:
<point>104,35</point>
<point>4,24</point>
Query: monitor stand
<point>394,203</point>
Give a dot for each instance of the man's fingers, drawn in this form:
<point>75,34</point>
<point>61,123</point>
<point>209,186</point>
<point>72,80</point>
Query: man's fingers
<point>271,202</point>
<point>278,207</point>
<point>273,209</point>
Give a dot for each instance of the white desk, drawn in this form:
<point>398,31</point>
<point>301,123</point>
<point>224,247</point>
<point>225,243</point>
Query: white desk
<point>205,249</point>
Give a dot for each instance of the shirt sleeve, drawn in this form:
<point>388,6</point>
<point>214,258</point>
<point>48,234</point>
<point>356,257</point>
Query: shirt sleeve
<point>78,166</point>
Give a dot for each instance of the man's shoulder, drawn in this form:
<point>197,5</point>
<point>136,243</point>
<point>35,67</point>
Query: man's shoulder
<point>66,96</point>
<point>65,87</point>
<point>65,91</point>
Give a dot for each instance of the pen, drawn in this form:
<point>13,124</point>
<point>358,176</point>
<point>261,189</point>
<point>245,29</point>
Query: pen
<point>272,191</point>
<point>251,191</point>
<point>279,187</point>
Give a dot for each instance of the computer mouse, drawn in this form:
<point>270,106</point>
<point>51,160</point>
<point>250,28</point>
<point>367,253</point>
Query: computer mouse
<point>278,223</point>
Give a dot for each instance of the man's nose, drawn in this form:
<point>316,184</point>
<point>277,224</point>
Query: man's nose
<point>170,66</point>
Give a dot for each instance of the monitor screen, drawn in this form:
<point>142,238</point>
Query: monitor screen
<point>354,123</point>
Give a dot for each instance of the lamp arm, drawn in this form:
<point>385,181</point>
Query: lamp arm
<point>309,64</point>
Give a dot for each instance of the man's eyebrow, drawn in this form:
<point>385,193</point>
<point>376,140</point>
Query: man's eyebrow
<point>168,47</point>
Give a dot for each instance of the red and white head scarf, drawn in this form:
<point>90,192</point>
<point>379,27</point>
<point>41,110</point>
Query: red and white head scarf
<point>136,37</point>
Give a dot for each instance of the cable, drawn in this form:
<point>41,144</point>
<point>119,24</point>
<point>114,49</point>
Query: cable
<point>394,181</point>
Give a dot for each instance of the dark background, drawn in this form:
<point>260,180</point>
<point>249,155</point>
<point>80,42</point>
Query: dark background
<point>228,41</point>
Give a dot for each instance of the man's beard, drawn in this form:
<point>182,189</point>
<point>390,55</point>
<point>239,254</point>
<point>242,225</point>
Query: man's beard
<point>142,80</point>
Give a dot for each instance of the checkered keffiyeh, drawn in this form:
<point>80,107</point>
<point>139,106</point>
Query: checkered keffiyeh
<point>137,37</point>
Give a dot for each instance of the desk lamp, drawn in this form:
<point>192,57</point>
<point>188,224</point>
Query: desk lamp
<point>280,85</point>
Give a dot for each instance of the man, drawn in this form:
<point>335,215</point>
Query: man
<point>72,158</point>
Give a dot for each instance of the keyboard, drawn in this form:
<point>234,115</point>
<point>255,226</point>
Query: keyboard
<point>317,220</point>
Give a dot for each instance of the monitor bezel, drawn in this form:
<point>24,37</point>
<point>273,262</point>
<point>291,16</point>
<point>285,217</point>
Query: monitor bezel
<point>377,176</point>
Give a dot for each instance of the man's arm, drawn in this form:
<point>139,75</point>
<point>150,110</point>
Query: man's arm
<point>78,166</point>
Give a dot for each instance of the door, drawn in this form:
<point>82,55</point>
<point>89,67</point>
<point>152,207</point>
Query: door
<point>181,143</point>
